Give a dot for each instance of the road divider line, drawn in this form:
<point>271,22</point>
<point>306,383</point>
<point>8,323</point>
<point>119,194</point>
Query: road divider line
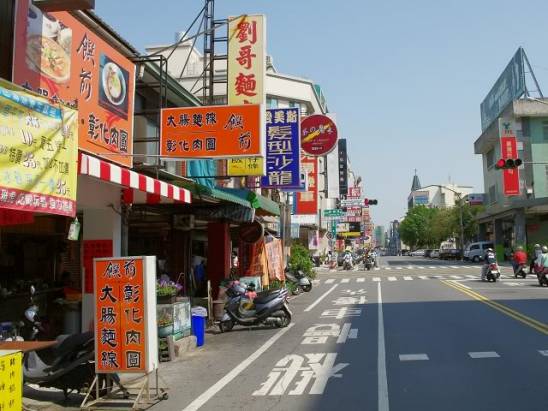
<point>219,385</point>
<point>383,404</point>
<point>414,357</point>
<point>315,303</point>
<point>531,322</point>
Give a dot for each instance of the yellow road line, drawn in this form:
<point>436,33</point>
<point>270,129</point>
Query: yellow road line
<point>531,322</point>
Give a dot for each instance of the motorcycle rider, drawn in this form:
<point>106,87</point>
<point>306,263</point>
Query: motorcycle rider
<point>348,258</point>
<point>537,252</point>
<point>519,258</point>
<point>489,258</point>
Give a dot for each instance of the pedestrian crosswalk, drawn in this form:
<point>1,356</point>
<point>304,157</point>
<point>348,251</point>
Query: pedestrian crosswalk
<point>396,278</point>
<point>440,267</point>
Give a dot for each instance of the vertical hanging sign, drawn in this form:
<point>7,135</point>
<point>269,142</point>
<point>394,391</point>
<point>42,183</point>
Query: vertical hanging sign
<point>126,337</point>
<point>282,149</point>
<point>307,201</point>
<point>246,77</point>
<point>508,149</point>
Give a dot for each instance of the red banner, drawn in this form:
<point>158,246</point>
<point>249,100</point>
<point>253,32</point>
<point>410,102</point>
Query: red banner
<point>307,201</point>
<point>508,149</point>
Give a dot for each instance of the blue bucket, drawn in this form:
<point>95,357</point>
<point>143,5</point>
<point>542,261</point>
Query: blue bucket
<point>198,329</point>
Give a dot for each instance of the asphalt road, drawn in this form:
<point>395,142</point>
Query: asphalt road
<point>417,338</point>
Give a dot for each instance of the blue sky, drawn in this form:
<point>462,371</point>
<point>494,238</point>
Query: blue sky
<point>405,78</point>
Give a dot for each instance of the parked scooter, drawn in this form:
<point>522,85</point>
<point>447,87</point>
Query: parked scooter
<point>268,308</point>
<point>368,263</point>
<point>68,365</point>
<point>299,279</point>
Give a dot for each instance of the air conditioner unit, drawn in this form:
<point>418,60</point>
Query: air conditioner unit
<point>183,222</point>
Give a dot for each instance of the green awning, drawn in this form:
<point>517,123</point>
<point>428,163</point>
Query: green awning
<point>263,205</point>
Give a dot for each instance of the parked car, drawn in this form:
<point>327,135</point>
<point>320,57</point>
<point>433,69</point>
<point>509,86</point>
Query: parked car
<point>475,251</point>
<point>435,254</point>
<point>427,253</point>
<point>417,253</point>
<point>405,252</point>
<point>450,253</point>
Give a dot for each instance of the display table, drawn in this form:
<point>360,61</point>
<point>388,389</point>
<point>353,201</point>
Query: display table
<point>26,346</point>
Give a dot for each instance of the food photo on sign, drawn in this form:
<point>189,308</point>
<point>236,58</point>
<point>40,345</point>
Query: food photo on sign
<point>318,135</point>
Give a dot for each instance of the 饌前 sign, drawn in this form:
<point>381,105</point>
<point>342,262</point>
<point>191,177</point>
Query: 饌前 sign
<point>212,131</point>
<point>126,336</point>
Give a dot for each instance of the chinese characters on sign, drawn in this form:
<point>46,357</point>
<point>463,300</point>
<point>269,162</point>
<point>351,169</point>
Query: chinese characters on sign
<point>307,201</point>
<point>11,380</point>
<point>282,149</point>
<point>214,131</point>
<point>318,135</point>
<point>245,166</point>
<point>123,330</point>
<point>508,149</point>
<point>69,63</point>
<point>246,59</point>
<point>38,153</point>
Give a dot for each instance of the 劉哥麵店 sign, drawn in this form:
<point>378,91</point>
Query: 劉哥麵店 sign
<point>38,153</point>
<point>212,131</point>
<point>283,149</point>
<point>318,135</point>
<point>126,336</point>
<point>59,57</point>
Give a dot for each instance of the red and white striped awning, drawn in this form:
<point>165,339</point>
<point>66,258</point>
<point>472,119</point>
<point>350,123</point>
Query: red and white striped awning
<point>145,189</point>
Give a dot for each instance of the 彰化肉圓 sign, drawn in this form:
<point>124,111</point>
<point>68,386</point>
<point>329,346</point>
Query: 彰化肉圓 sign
<point>318,135</point>
<point>38,153</point>
<point>126,336</point>
<point>212,131</point>
<point>59,57</point>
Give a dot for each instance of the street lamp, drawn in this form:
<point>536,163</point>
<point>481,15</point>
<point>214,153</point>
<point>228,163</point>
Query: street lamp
<point>459,198</point>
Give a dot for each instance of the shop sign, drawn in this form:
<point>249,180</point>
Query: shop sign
<point>274,259</point>
<point>62,59</point>
<point>318,135</point>
<point>283,149</point>
<point>355,202</point>
<point>212,131</point>
<point>354,192</point>
<point>333,174</point>
<point>307,201</point>
<point>126,337</point>
<point>343,168</point>
<point>252,232</point>
<point>242,167</point>
<point>342,227</point>
<point>38,153</point>
<point>508,149</point>
<point>11,380</point>
<point>333,212</point>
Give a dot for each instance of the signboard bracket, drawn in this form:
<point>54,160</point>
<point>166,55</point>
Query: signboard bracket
<point>137,393</point>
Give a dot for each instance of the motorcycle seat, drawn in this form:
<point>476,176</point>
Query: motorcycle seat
<point>265,298</point>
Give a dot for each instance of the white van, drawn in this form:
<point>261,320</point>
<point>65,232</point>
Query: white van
<point>475,251</point>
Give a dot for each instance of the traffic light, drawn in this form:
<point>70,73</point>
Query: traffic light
<point>505,164</point>
<point>368,202</point>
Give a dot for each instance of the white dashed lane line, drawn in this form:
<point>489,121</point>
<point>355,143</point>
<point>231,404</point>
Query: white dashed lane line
<point>414,357</point>
<point>330,281</point>
<point>483,354</point>
<point>407,278</point>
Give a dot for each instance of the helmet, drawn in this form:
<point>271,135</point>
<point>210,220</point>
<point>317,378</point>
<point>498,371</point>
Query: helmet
<point>536,246</point>
<point>490,249</point>
<point>519,248</point>
<point>544,249</point>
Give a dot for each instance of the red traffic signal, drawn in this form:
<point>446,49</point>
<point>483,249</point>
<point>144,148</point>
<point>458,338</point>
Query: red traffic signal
<point>368,202</point>
<point>505,164</point>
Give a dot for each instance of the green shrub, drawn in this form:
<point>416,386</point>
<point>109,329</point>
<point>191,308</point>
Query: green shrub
<point>300,260</point>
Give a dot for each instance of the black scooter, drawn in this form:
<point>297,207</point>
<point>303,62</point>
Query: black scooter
<point>268,308</point>
<point>368,264</point>
<point>299,279</point>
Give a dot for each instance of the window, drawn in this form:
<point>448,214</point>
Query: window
<point>488,245</point>
<point>490,158</point>
<point>545,130</point>
<point>492,194</point>
<point>474,247</point>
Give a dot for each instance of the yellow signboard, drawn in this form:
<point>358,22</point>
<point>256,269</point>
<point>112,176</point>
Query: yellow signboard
<point>351,234</point>
<point>38,153</point>
<point>240,167</point>
<point>11,380</point>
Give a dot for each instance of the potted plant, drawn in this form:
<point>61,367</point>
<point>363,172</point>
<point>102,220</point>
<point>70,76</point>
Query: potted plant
<point>166,291</point>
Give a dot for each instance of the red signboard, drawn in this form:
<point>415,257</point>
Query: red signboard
<point>307,201</point>
<point>354,192</point>
<point>318,135</point>
<point>508,149</point>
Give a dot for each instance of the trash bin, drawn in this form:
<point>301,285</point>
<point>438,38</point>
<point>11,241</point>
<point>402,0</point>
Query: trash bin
<point>199,315</point>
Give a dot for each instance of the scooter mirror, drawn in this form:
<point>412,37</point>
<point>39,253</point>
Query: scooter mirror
<point>32,290</point>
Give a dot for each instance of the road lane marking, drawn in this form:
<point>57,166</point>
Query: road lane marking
<point>420,267</point>
<point>330,281</point>
<point>219,385</point>
<point>383,404</point>
<point>399,268</point>
<point>315,303</point>
<point>392,278</point>
<point>484,354</point>
<point>414,357</point>
<point>407,278</point>
<point>409,267</point>
<point>543,352</point>
<point>360,280</point>
<point>423,277</point>
<point>531,322</point>
<point>455,266</point>
<point>473,277</point>
<point>345,280</point>
<point>456,277</point>
<point>388,268</point>
<point>376,279</point>
<point>432,267</point>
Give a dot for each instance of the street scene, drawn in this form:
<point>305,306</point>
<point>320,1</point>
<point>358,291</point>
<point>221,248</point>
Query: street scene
<point>236,205</point>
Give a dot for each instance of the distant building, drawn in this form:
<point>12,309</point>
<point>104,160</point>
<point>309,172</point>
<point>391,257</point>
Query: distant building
<point>380,236</point>
<point>437,195</point>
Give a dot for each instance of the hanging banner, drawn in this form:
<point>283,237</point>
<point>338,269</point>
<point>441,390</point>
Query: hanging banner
<point>343,168</point>
<point>38,153</point>
<point>274,257</point>
<point>509,149</point>
<point>59,57</point>
<point>307,201</point>
<point>333,174</point>
<point>318,135</point>
<point>246,59</point>
<point>126,334</point>
<point>283,149</point>
<point>212,131</point>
